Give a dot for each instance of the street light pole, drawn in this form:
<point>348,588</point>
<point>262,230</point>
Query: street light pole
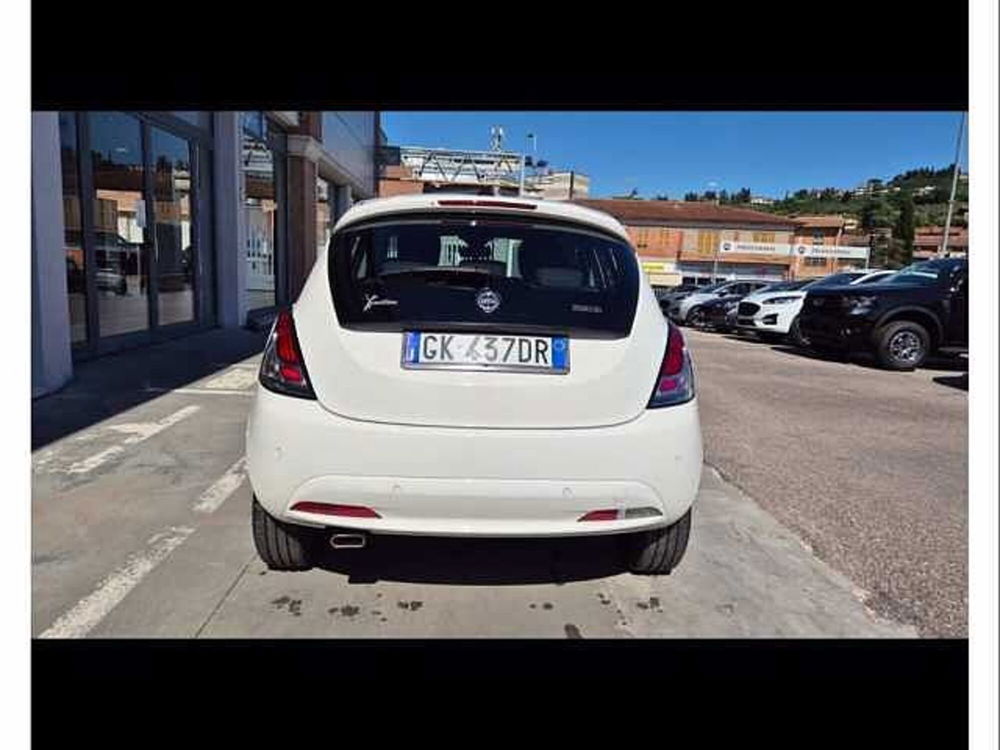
<point>531,136</point>
<point>954,185</point>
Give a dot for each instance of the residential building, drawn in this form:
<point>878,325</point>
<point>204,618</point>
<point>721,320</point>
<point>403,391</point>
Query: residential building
<point>823,246</point>
<point>559,186</point>
<point>927,242</point>
<point>692,241</point>
<point>152,225</point>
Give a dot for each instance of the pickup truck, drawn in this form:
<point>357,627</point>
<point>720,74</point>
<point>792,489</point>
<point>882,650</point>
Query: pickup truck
<point>922,309</point>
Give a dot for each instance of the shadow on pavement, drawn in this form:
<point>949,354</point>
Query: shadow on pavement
<point>954,381</point>
<point>477,562</point>
<point>863,359</point>
<point>109,385</point>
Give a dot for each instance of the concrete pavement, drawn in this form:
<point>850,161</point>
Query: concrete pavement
<point>141,528</point>
<point>868,467</point>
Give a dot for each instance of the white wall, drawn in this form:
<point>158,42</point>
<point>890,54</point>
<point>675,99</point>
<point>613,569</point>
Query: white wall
<point>51,361</point>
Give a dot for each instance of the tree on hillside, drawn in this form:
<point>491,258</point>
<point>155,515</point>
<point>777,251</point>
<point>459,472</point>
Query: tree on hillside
<point>662,197</point>
<point>743,196</point>
<point>690,197</point>
<point>903,230</point>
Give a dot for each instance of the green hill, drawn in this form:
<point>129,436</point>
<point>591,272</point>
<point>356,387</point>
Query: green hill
<point>881,201</point>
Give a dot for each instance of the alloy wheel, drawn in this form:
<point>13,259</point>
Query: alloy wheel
<point>906,347</point>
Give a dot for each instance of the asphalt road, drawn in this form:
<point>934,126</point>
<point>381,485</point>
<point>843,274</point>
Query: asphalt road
<point>868,467</point>
<point>141,528</point>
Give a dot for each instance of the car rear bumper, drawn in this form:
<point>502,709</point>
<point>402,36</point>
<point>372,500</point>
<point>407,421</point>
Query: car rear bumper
<point>472,482</point>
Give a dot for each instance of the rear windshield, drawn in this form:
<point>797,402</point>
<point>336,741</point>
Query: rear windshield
<point>927,273</point>
<point>837,279</point>
<point>483,272</point>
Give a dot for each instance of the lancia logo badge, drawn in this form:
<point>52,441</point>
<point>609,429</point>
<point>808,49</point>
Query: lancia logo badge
<point>488,300</point>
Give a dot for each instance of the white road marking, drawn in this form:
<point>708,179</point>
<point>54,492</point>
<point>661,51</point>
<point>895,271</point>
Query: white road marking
<point>92,462</point>
<point>200,391</point>
<point>137,431</point>
<point>235,378</point>
<point>90,610</point>
<point>222,488</point>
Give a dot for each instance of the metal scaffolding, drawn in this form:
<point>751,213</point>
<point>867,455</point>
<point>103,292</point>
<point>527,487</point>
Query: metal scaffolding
<point>452,166</point>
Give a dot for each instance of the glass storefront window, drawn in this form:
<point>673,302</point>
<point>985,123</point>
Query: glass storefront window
<point>76,284</point>
<point>121,256</point>
<point>260,208</point>
<point>201,120</point>
<point>175,246</point>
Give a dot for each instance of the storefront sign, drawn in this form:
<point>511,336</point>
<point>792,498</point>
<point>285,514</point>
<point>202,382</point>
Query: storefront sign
<point>802,250</point>
<point>755,248</point>
<point>831,251</point>
<point>657,266</point>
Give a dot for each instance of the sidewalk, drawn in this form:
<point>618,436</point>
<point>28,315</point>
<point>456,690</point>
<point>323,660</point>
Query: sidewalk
<point>107,386</point>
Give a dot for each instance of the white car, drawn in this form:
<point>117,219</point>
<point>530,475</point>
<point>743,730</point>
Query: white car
<point>470,366</point>
<point>680,310</point>
<point>774,311</point>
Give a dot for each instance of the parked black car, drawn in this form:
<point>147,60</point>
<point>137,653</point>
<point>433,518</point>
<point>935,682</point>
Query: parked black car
<point>919,310</point>
<point>718,314</point>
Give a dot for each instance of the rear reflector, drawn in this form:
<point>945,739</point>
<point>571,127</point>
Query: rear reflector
<point>329,509</point>
<point>600,515</point>
<point>494,204</point>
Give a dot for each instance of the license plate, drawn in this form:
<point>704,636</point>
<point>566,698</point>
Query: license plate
<point>474,351</point>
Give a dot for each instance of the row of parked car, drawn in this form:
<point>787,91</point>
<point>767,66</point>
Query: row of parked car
<point>902,317</point>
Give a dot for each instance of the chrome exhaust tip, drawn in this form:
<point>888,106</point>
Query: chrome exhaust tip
<point>348,541</point>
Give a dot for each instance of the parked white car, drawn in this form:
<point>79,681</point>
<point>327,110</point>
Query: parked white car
<point>680,310</point>
<point>774,311</point>
<point>469,366</point>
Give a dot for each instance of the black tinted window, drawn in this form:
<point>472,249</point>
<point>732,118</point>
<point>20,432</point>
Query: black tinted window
<point>483,272</point>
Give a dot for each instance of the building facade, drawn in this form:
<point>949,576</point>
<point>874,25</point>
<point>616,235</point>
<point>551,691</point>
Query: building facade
<point>151,225</point>
<point>823,245</point>
<point>927,242</point>
<point>695,242</point>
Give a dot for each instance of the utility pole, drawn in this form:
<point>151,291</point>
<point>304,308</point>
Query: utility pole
<point>954,185</point>
<point>715,258</point>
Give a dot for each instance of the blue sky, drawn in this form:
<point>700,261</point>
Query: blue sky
<point>677,152</point>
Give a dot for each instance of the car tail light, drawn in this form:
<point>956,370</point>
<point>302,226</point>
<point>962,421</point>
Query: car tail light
<point>675,380</point>
<point>283,369</point>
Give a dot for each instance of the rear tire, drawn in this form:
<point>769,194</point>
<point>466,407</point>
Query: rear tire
<point>282,546</point>
<point>902,345</point>
<point>657,552</point>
